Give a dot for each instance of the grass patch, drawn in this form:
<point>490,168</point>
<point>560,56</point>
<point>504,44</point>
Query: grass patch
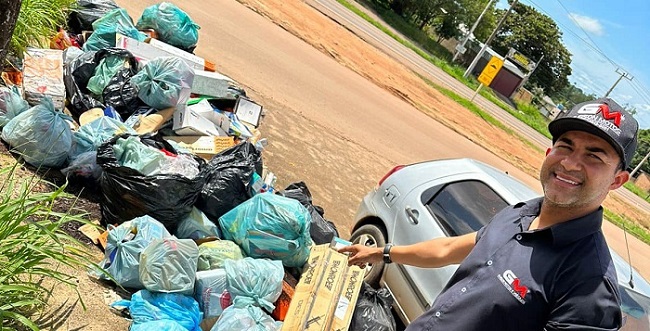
<point>38,21</point>
<point>630,226</point>
<point>33,245</point>
<point>637,190</point>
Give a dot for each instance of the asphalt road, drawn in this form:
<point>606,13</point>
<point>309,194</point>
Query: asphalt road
<point>415,62</point>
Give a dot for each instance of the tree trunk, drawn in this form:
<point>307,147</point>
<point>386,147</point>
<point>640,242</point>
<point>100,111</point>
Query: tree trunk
<point>8,18</point>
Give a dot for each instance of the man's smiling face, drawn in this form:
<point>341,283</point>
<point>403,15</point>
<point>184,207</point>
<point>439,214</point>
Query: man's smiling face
<point>579,171</point>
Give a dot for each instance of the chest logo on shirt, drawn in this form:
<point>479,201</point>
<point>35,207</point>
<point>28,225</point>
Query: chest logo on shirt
<point>513,284</point>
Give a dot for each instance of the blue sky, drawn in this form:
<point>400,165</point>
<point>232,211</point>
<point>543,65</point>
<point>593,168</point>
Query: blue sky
<point>620,30</point>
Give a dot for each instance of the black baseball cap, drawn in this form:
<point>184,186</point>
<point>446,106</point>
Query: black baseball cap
<point>604,118</point>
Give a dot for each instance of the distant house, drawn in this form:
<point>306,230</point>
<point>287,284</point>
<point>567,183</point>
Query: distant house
<point>509,77</point>
<point>643,181</point>
<point>549,109</point>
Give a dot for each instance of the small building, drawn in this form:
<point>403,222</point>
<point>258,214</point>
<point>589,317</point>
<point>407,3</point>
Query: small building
<point>509,77</point>
<point>642,181</point>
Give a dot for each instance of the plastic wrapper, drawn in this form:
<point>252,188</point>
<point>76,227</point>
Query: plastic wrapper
<point>173,25</point>
<point>121,94</point>
<point>146,307</point>
<point>169,265</point>
<point>213,254</point>
<point>254,282</point>
<point>184,164</point>
<point>43,76</point>
<point>160,325</point>
<point>197,226</point>
<point>11,104</point>
<point>321,230</point>
<point>83,166</point>
<point>41,135</point>
<point>372,312</point>
<point>270,226</point>
<point>164,82</point>
<point>90,136</point>
<point>85,12</point>
<point>105,28</point>
<point>127,193</point>
<point>249,318</point>
<point>227,176</point>
<point>211,292</point>
<point>124,245</point>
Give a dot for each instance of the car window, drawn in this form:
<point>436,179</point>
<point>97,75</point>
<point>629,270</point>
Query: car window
<point>464,207</point>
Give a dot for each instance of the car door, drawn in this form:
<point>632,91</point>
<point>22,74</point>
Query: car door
<point>449,206</point>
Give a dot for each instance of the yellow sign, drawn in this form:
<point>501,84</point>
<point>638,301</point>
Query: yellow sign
<point>490,71</point>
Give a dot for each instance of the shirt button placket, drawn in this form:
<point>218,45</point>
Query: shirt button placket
<point>489,262</point>
<point>437,314</point>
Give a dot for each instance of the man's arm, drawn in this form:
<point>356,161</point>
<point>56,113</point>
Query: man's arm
<point>433,253</point>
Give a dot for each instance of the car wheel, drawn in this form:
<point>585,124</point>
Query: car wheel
<point>372,236</point>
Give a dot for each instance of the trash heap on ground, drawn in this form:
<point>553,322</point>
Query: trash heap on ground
<point>195,228</point>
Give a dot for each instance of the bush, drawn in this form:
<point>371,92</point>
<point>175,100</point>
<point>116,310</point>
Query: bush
<point>32,246</point>
<point>38,21</point>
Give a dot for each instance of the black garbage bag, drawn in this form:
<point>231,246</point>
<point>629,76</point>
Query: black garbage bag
<point>321,230</point>
<point>227,178</point>
<point>119,92</point>
<point>372,312</point>
<point>75,77</point>
<point>127,193</point>
<point>85,12</point>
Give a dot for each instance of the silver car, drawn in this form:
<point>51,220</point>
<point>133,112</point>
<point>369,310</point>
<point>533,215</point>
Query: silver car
<point>453,197</point>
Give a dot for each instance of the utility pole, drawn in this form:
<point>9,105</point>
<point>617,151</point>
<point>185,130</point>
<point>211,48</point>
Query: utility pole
<point>469,34</point>
<point>639,165</point>
<point>623,74</point>
<point>487,43</point>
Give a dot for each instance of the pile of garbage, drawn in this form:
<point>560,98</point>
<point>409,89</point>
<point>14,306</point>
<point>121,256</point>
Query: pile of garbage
<point>194,225</point>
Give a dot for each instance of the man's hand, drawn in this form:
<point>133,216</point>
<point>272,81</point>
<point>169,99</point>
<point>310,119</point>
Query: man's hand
<point>360,254</point>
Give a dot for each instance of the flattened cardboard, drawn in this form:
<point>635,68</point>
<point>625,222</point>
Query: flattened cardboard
<point>43,76</point>
<point>248,111</point>
<point>203,146</point>
<point>152,48</point>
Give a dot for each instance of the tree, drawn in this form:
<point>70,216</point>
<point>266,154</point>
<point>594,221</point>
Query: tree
<point>470,11</point>
<point>642,150</point>
<point>535,35</point>
<point>571,95</point>
<point>8,18</point>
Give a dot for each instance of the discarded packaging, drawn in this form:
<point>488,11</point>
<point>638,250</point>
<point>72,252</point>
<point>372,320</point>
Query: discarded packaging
<point>200,120</point>
<point>211,292</point>
<point>248,111</point>
<point>43,76</point>
<point>203,146</point>
<point>326,294</point>
<point>150,49</point>
<point>212,84</point>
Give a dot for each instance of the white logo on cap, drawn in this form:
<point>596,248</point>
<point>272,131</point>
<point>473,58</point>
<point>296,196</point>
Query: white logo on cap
<point>590,113</point>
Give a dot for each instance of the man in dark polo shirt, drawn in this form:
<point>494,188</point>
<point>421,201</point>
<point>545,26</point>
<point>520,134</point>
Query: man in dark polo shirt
<point>541,264</point>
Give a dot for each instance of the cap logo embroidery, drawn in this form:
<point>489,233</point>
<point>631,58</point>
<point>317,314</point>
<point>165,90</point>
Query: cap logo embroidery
<point>513,284</point>
<point>604,122</point>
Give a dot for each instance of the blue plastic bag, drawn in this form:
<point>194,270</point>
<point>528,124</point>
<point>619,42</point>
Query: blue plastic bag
<point>254,282</point>
<point>164,82</point>
<point>270,226</point>
<point>41,135</point>
<point>125,244</point>
<point>11,104</point>
<point>173,25</point>
<point>160,325</point>
<point>105,28</point>
<point>90,136</point>
<point>249,318</point>
<point>146,307</point>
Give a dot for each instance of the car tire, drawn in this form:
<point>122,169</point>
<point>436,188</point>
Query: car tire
<point>373,236</point>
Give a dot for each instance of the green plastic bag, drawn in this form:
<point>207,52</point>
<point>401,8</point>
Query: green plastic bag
<point>105,28</point>
<point>173,25</point>
<point>164,82</point>
<point>106,69</point>
<point>213,254</point>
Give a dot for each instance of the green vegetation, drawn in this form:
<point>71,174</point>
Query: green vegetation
<point>638,191</point>
<point>32,247</point>
<point>630,226</point>
<point>38,21</point>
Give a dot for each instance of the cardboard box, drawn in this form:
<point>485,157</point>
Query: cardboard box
<point>200,120</point>
<point>327,293</point>
<point>248,111</point>
<point>152,48</point>
<point>153,122</point>
<point>43,76</point>
<point>212,84</point>
<point>211,293</point>
<point>203,146</point>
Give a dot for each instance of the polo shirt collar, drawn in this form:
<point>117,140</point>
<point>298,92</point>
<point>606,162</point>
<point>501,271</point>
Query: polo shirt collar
<point>566,232</point>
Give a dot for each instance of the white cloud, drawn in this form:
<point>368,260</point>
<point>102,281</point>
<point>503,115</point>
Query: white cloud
<point>587,23</point>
